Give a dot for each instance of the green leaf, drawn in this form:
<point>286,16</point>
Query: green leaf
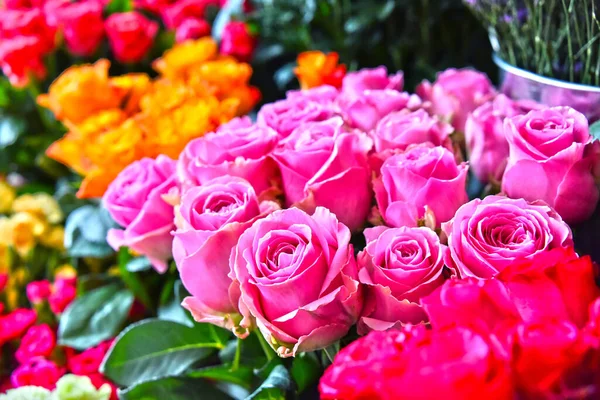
<point>284,75</point>
<point>595,130</point>
<point>173,389</point>
<point>10,130</point>
<point>85,232</point>
<point>241,376</point>
<point>306,370</point>
<point>154,349</point>
<point>94,317</point>
<point>138,264</point>
<point>172,309</point>
<point>278,385</point>
<point>119,6</point>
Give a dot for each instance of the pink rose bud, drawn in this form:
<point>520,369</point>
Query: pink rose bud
<point>320,160</point>
<point>298,279</point>
<point>81,24</point>
<point>356,83</point>
<point>14,325</point>
<point>485,236</point>
<point>192,28</point>
<point>238,150</point>
<point>484,134</point>
<point>211,219</point>
<point>63,293</point>
<point>37,372</point>
<point>553,158</point>
<point>135,200</point>
<point>284,116</point>
<point>237,41</point>
<point>130,35</point>
<point>39,341</point>
<point>178,11</point>
<point>423,176</point>
<point>366,110</point>
<point>399,130</point>
<point>456,93</point>
<point>398,267</point>
<point>38,291</point>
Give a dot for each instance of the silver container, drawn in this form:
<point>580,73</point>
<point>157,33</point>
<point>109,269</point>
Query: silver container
<point>519,84</point>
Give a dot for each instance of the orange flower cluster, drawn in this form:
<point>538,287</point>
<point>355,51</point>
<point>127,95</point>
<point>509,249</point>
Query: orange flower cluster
<point>316,68</point>
<point>114,121</point>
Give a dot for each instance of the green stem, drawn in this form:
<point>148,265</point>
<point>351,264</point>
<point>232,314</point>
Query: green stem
<point>264,345</point>
<point>238,354</point>
<point>328,355</point>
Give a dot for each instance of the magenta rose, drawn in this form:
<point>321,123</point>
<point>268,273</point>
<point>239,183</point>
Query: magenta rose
<point>298,279</point>
<point>324,94</point>
<point>553,158</point>
<point>284,116</point>
<point>239,149</point>
<point>320,160</point>
<point>398,267</point>
<point>421,178</point>
<point>399,130</point>
<point>210,220</point>
<point>136,201</point>
<point>365,111</point>
<point>456,93</point>
<point>486,236</point>
<point>355,83</point>
<point>484,134</point>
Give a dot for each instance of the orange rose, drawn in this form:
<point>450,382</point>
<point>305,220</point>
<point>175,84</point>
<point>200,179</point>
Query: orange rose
<point>316,68</point>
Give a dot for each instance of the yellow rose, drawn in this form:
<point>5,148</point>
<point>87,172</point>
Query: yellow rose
<point>7,196</point>
<point>25,229</point>
<point>41,205</point>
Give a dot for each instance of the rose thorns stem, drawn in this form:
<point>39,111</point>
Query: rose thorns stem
<point>264,345</point>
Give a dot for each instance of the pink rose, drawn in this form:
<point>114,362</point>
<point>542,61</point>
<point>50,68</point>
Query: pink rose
<point>192,28</point>
<point>325,95</point>
<point>130,35</point>
<point>400,129</point>
<point>484,135</point>
<point>27,22</point>
<point>456,93</point>
<point>39,341</point>
<point>210,221</point>
<point>174,14</point>
<point>82,25</point>
<point>88,361</point>
<point>422,177</point>
<point>14,325</point>
<point>37,372</point>
<point>554,146</point>
<point>320,160</point>
<point>355,83</point>
<point>63,293</point>
<point>38,291</point>
<point>136,201</point>
<point>284,116</point>
<point>237,41</point>
<point>237,149</point>
<point>485,236</point>
<point>365,111</point>
<point>298,279</point>
<point>398,267</point>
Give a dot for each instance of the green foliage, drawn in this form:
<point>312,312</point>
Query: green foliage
<point>94,317</point>
<point>595,130</point>
<point>119,6</point>
<point>85,232</point>
<point>279,385</point>
<point>173,389</point>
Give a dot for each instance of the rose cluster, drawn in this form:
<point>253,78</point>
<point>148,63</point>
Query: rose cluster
<point>32,30</point>
<point>265,217</point>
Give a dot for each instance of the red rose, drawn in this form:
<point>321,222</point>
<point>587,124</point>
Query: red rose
<point>130,35</point>
<point>555,284</point>
<point>237,41</point>
<point>3,281</point>
<point>81,23</point>
<point>593,326</point>
<point>39,341</point>
<point>27,22</point>
<point>154,6</point>
<point>22,57</point>
<point>175,14</point>
<point>192,28</point>
<point>38,291</point>
<point>13,325</point>
<point>63,293</point>
<point>453,363</point>
<point>553,359</point>
<point>88,362</point>
<point>37,372</point>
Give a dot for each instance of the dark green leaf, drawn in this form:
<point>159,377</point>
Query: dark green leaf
<point>85,232</point>
<point>138,264</point>
<point>278,385</point>
<point>173,389</point>
<point>172,309</point>
<point>284,75</point>
<point>595,130</point>
<point>10,130</point>
<point>241,376</point>
<point>306,370</point>
<point>154,349</point>
<point>96,316</point>
<point>266,53</point>
<point>119,6</point>
<point>132,280</point>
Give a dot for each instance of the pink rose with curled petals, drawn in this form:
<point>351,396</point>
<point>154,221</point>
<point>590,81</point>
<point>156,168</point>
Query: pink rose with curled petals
<point>210,220</point>
<point>298,279</point>
<point>456,93</point>
<point>486,236</point>
<point>325,95</point>
<point>284,116</point>
<point>399,130</point>
<point>320,160</point>
<point>553,152</point>
<point>136,201</point>
<point>365,111</point>
<point>239,148</point>
<point>355,83</point>
<point>484,135</point>
<point>422,177</point>
<point>398,267</point>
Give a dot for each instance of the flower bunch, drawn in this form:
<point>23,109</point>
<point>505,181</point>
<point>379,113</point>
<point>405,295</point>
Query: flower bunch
<point>69,387</point>
<point>114,121</point>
